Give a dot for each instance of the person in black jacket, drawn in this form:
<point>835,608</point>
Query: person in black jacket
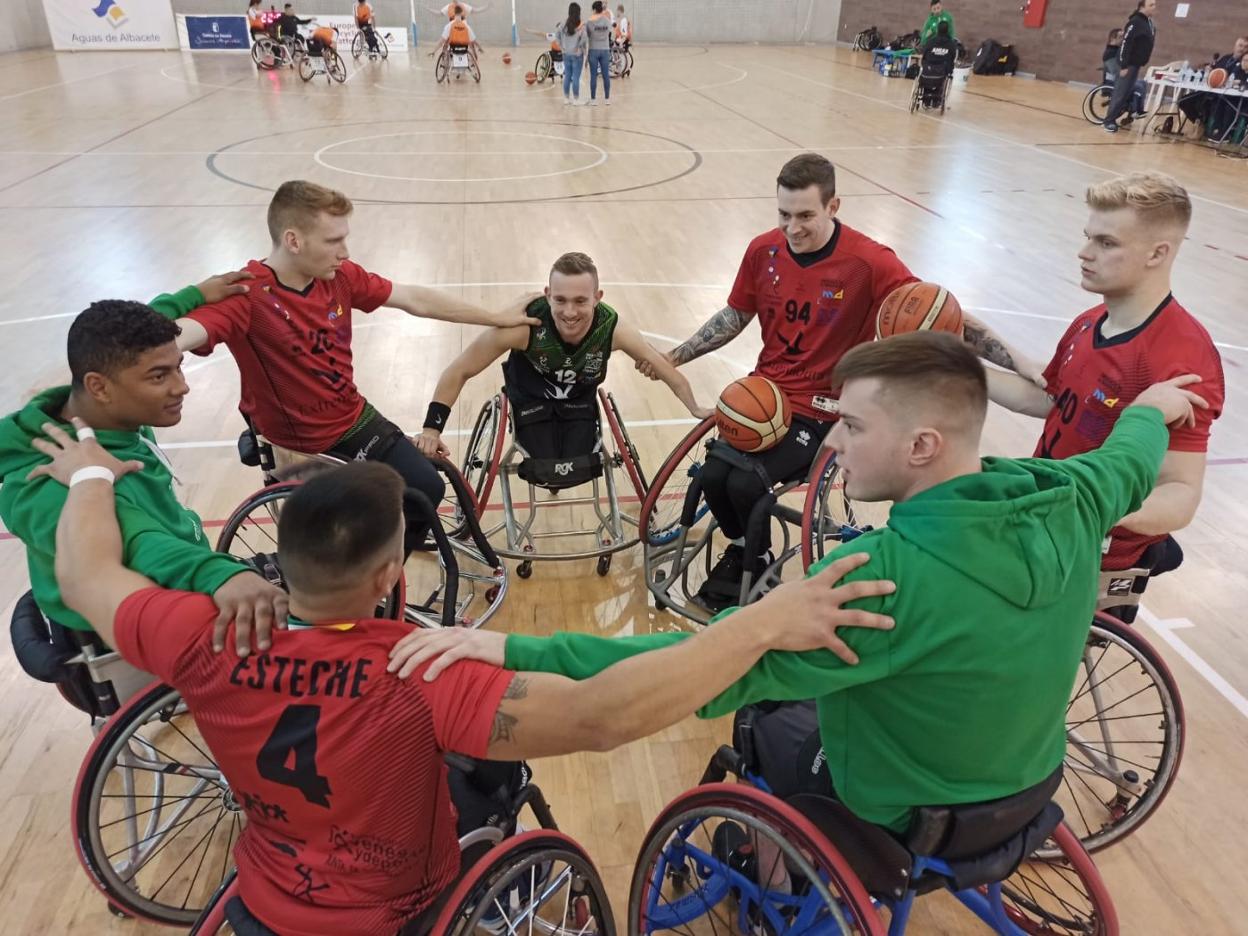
<point>1198,105</point>
<point>940,53</point>
<point>288,23</point>
<point>1137,48</point>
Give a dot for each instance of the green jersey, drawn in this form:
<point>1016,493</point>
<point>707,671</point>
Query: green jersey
<point>549,368</point>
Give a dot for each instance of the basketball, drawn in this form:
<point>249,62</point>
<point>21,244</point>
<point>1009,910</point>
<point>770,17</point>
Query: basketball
<point>752,414</point>
<point>918,307</point>
<point>530,78</point>
<point>1217,78</point>
<point>506,58</point>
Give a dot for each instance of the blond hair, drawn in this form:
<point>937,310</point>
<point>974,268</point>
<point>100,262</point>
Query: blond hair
<point>574,264</point>
<point>1156,197</point>
<point>297,204</point>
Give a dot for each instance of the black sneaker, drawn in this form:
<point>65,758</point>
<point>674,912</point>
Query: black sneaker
<point>1111,128</point>
<point>722,588</point>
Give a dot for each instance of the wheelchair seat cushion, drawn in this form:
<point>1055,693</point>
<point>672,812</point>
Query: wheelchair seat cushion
<point>881,862</point>
<point>1000,862</point>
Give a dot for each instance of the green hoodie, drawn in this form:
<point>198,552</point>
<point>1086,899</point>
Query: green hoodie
<point>965,699</point>
<point>932,25</point>
<point>162,539</point>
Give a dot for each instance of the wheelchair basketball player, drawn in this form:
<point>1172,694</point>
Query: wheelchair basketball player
<point>1138,333</point>
<point>555,366</point>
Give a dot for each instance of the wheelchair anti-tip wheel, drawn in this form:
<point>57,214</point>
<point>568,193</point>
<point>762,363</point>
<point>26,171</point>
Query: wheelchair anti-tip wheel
<point>699,871</point>
<point>535,882</point>
<point>1125,733</point>
<point>154,820</point>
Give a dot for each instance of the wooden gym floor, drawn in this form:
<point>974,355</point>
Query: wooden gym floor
<point>129,174</point>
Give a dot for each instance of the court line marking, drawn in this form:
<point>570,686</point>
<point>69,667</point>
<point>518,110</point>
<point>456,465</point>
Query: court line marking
<point>1015,313</point>
<point>61,84</point>
<point>1165,629</point>
<point>603,155</point>
<point>1035,147</point>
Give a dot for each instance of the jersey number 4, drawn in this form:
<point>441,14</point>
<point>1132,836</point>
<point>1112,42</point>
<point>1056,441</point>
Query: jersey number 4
<point>294,740</point>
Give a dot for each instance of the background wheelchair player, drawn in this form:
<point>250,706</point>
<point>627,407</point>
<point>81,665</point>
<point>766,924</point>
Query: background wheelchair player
<point>551,376</point>
<point>457,50</point>
<point>940,54</point>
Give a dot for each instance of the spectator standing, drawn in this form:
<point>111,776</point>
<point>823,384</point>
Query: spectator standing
<point>598,28</point>
<point>1137,48</point>
<point>935,17</point>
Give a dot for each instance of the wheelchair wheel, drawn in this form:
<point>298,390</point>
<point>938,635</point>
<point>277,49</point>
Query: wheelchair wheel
<point>624,447</point>
<point>829,518</point>
<point>475,68</point>
<point>1125,732</point>
<point>1096,103</point>
<point>617,62</point>
<point>306,68</point>
<point>358,45</point>
<point>1062,896</point>
<point>485,450</point>
<point>915,97</point>
<point>543,68</point>
<point>336,67</point>
<point>154,820</point>
<point>536,882</point>
<point>383,49</point>
<point>698,860</point>
<point>250,535</point>
<point>212,920</point>
<point>263,55</point>
<point>443,68</point>
<point>665,498</point>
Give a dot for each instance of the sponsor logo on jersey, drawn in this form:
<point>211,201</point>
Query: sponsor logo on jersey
<point>803,437</point>
<point>1099,395</point>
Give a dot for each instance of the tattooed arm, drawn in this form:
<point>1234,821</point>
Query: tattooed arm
<point>719,329</point>
<point>992,348</point>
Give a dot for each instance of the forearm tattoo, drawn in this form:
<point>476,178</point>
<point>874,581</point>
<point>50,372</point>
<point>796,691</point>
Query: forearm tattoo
<point>988,346</point>
<point>719,329</point>
<point>504,728</point>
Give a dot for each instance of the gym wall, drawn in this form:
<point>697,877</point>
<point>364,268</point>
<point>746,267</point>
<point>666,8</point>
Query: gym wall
<point>654,21</point>
<point>23,26</point>
<point>1068,47</point>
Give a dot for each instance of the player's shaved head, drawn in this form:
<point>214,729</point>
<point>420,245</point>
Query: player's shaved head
<point>340,526</point>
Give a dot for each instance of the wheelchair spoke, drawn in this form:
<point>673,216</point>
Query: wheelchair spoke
<point>200,864</point>
<point>208,757</point>
<point>180,824</point>
<point>194,848</point>
<point>164,802</point>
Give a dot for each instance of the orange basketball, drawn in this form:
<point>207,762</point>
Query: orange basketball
<point>752,415</point>
<point>530,77</point>
<point>506,59</point>
<point>916,307</point>
<point>1217,78</point>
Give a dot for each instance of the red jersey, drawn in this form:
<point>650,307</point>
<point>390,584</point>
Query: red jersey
<point>293,350</point>
<point>338,764</point>
<point>1092,378</point>
<point>814,309</point>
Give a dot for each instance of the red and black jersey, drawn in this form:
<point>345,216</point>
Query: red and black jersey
<point>293,349</point>
<point>1092,378</point>
<point>338,764</point>
<point>813,308</point>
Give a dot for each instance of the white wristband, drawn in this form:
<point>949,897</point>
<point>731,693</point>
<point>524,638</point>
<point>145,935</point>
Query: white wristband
<point>91,473</point>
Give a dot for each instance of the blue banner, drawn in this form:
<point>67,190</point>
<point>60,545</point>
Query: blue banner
<point>217,32</point>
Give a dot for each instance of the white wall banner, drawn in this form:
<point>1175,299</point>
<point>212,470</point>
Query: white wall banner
<point>110,25</point>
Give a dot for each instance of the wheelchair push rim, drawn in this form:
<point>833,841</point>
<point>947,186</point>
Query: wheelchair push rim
<point>148,789</point>
<point>1125,733</point>
<point>536,882</point>
<point>661,509</point>
<point>688,868</point>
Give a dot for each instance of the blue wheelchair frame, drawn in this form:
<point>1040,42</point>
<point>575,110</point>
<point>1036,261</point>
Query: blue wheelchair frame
<point>719,879</point>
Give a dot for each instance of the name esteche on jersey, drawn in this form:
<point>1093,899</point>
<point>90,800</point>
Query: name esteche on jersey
<point>298,678</point>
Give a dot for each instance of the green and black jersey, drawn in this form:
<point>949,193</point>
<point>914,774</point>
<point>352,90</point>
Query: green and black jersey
<point>549,368</point>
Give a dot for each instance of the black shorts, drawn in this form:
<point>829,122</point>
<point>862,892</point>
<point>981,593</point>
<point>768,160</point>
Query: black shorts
<point>780,743</point>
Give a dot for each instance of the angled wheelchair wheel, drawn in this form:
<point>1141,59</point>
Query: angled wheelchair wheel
<point>1125,732</point>
<point>250,535</point>
<point>212,920</point>
<point>154,820</point>
<point>665,498</point>
<point>829,518</point>
<point>306,68</point>
<point>485,450</point>
<point>624,447</point>
<point>336,67</point>
<point>474,67</point>
<point>536,882</point>
<point>358,45</point>
<point>915,97</point>
<point>543,67</point>
<point>443,67</point>
<point>617,62</point>
<point>700,870</point>
<point>383,48</point>
<point>1064,896</point>
<point>263,55</point>
<point>1096,103</point>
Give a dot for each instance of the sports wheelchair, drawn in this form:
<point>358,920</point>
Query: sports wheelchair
<point>550,65</point>
<point>463,595</point>
<point>539,881</point>
<point>621,59</point>
<point>554,445</point>
<point>700,867</point>
<point>153,819</point>
<point>456,61</point>
<point>322,59</point>
<point>931,91</point>
<point>359,45</point>
<point>677,528</point>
